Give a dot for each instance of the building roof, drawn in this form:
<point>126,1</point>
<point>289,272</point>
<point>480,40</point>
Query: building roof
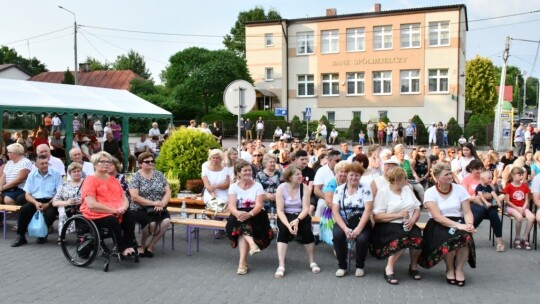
<point>368,14</point>
<point>508,92</point>
<point>4,67</point>
<point>119,80</point>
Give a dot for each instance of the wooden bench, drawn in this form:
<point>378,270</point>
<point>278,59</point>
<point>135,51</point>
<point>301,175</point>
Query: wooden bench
<point>5,209</point>
<point>197,211</point>
<point>196,203</point>
<point>195,225</point>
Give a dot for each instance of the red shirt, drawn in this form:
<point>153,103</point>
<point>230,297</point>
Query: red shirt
<point>517,194</point>
<point>108,192</point>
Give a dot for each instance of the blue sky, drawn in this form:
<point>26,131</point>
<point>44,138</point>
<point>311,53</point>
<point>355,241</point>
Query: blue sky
<point>210,20</point>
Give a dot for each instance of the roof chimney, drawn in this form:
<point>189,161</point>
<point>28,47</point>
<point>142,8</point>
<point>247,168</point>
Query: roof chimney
<point>377,7</point>
<point>331,12</point>
<point>84,67</point>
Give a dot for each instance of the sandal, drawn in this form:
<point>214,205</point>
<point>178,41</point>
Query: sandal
<point>414,274</point>
<point>460,283</point>
<point>500,247</point>
<point>390,278</point>
<point>254,250</point>
<point>517,244</point>
<point>314,268</point>
<point>280,272</point>
<point>243,269</point>
<point>526,245</point>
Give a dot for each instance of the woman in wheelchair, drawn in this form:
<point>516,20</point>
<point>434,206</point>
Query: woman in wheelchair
<point>68,196</point>
<point>105,203</point>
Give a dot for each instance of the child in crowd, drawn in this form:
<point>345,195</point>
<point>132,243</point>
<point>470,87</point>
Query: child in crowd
<point>485,191</point>
<point>361,138</point>
<point>517,198</point>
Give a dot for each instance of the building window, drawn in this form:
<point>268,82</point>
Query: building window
<point>357,114</point>
<point>382,37</point>
<point>410,35</point>
<point>410,81</point>
<point>331,116</point>
<point>330,85</point>
<point>355,83</point>
<point>438,81</point>
<point>306,85</point>
<point>269,39</point>
<point>439,33</point>
<point>269,74</point>
<point>383,114</point>
<point>382,83</point>
<point>305,43</point>
<point>356,40</point>
<point>329,41</point>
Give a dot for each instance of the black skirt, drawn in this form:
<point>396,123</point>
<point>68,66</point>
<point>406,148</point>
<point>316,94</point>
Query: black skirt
<point>389,238</point>
<point>438,242</point>
<point>257,227</point>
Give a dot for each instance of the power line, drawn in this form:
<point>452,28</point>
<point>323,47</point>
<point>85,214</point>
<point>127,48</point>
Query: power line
<point>37,36</point>
<point>87,40</point>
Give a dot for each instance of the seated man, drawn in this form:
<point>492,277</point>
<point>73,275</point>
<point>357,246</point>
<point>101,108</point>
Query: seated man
<point>54,163</point>
<point>58,145</point>
<point>76,156</point>
<point>40,189</point>
<point>277,133</point>
<point>333,135</point>
<point>142,145</point>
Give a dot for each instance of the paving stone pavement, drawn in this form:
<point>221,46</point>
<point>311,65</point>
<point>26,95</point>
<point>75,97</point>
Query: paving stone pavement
<point>40,274</point>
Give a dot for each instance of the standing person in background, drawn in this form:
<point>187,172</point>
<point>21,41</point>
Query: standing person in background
<point>47,121</point>
<point>371,132</point>
<point>98,128</point>
<point>116,130</point>
<point>519,140</point>
<point>439,134</point>
<point>218,133</point>
<point>106,130</point>
<point>192,124</point>
<point>260,128</point>
<point>380,131</point>
<point>432,131</point>
<point>529,132</point>
<point>401,133</point>
<point>249,129</point>
<point>154,131</point>
<point>409,134</point>
<point>56,122</point>
<point>76,124</point>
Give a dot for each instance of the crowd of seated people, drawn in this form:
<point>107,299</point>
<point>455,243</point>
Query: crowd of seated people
<point>372,197</point>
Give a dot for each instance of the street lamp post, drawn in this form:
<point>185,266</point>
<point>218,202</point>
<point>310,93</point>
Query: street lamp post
<point>524,91</point>
<point>75,41</point>
<point>497,134</point>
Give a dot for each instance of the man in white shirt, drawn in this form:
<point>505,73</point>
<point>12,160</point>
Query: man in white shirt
<point>76,156</point>
<point>432,130</point>
<point>246,155</point>
<point>277,133</point>
<point>142,145</point>
<point>54,163</point>
<point>56,123</point>
<point>322,177</point>
<point>357,149</point>
<point>154,130</point>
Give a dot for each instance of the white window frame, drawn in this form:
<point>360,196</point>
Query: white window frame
<point>383,77</point>
<point>358,81</point>
<point>383,114</point>
<point>329,42</point>
<point>305,81</point>
<point>331,115</point>
<point>356,39</point>
<point>439,30</point>
<point>268,74</point>
<point>330,82</point>
<point>269,39</point>
<point>382,33</point>
<point>410,33</point>
<point>305,43</point>
<point>357,114</point>
<point>410,78</point>
<point>438,77</point>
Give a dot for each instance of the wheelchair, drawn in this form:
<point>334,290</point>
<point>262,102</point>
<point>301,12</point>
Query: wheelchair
<point>81,241</point>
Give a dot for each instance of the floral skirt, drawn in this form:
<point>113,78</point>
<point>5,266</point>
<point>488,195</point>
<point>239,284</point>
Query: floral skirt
<point>438,242</point>
<point>257,227</point>
<point>389,238</point>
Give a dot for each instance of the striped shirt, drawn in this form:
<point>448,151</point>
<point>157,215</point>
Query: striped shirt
<point>12,170</point>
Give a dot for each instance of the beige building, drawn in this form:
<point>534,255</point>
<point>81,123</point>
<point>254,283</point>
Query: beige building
<point>397,63</point>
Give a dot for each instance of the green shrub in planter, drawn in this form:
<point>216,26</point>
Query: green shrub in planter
<point>354,129</point>
<point>421,131</point>
<point>454,131</point>
<point>184,153</point>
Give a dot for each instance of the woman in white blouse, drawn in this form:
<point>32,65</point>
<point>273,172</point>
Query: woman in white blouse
<point>215,177</point>
<point>396,211</point>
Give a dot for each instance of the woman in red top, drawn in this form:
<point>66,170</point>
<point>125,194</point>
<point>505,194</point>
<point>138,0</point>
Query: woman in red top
<point>105,203</point>
<point>517,198</point>
<point>41,138</point>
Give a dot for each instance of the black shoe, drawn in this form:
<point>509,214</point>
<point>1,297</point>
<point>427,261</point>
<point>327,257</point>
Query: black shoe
<point>19,242</point>
<point>41,240</point>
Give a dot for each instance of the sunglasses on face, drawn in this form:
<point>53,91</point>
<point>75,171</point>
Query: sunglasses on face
<point>257,155</point>
<point>148,161</point>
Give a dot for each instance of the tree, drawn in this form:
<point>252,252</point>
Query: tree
<point>96,65</point>
<point>32,66</point>
<point>236,40</point>
<point>480,86</point>
<point>197,78</point>
<point>132,61</point>
<point>68,77</point>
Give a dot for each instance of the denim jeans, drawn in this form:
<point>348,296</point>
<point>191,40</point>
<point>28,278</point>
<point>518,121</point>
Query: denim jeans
<point>362,244</point>
<point>480,213</point>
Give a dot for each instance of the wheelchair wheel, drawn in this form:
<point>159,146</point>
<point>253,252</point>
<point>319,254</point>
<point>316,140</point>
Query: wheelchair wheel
<point>79,240</point>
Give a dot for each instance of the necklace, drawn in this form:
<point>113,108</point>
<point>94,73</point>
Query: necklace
<point>443,192</point>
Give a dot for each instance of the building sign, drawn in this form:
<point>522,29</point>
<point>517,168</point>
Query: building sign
<point>366,61</point>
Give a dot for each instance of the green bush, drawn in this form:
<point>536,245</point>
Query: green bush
<point>354,129</point>
<point>421,131</point>
<point>477,126</point>
<point>297,126</point>
<point>454,131</point>
<point>184,153</point>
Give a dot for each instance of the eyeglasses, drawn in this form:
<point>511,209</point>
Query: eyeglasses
<point>105,162</point>
<point>451,152</point>
<point>149,161</point>
<point>257,155</point>
<point>423,151</point>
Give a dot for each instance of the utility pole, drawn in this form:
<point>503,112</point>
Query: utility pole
<point>497,134</point>
<point>524,91</point>
<point>74,43</point>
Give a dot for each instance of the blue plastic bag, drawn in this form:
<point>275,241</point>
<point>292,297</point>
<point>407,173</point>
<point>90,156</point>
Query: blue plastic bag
<point>37,226</point>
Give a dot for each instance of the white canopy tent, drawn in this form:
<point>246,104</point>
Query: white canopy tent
<point>69,100</point>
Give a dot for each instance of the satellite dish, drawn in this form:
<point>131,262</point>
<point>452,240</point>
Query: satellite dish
<point>239,97</point>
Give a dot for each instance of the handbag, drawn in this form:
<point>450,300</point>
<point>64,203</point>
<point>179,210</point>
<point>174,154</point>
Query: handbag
<point>217,205</point>
<point>37,226</point>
